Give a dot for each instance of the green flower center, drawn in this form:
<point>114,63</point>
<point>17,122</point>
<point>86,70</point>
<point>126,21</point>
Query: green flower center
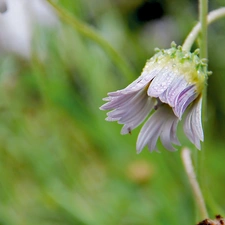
<point>185,64</point>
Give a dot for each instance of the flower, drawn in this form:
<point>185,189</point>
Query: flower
<point>171,83</point>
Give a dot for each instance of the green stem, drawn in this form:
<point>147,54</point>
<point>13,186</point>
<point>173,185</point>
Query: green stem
<point>212,17</point>
<point>91,33</point>
<point>203,9</point>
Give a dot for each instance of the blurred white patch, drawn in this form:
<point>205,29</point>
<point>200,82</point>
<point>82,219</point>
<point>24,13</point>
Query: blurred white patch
<point>3,6</point>
<point>18,19</point>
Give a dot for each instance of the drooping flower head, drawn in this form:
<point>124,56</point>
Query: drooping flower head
<point>171,83</point>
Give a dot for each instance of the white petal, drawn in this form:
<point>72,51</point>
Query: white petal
<point>116,102</point>
<point>152,129</point>
<point>188,127</point>
<point>131,105</point>
<point>142,80</point>
<point>134,105</point>
<point>138,116</point>
<point>187,96</point>
<point>193,125</point>
<point>197,125</point>
<point>176,87</point>
<point>149,135</point>
<point>161,82</point>
<point>132,112</point>
<point>173,135</point>
<point>168,135</point>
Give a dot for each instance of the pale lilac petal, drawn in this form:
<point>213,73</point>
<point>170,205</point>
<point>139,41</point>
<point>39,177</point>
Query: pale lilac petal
<point>160,83</point>
<point>115,102</point>
<point>133,106</point>
<point>193,124</point>
<point>132,112</point>
<point>140,83</point>
<point>153,135</point>
<point>149,133</point>
<point>138,116</point>
<point>170,95</point>
<point>142,80</point>
<point>173,134</point>
<point>153,128</point>
<point>168,135</point>
<point>198,119</point>
<point>188,127</point>
<point>125,108</point>
<point>183,100</point>
<point>114,115</point>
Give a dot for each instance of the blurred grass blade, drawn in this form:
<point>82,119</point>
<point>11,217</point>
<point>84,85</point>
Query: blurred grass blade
<point>91,33</point>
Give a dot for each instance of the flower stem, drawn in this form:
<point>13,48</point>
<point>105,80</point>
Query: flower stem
<point>212,17</point>
<point>186,157</point>
<point>203,11</point>
<point>92,34</point>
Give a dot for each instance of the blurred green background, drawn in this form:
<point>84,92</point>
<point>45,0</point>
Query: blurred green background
<point>61,162</point>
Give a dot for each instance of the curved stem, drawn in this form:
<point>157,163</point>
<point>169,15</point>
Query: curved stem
<point>186,157</point>
<point>212,17</point>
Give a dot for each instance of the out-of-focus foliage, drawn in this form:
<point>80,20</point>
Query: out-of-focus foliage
<point>61,162</point>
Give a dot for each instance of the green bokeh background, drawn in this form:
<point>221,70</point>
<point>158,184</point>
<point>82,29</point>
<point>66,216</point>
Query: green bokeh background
<point>62,163</point>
